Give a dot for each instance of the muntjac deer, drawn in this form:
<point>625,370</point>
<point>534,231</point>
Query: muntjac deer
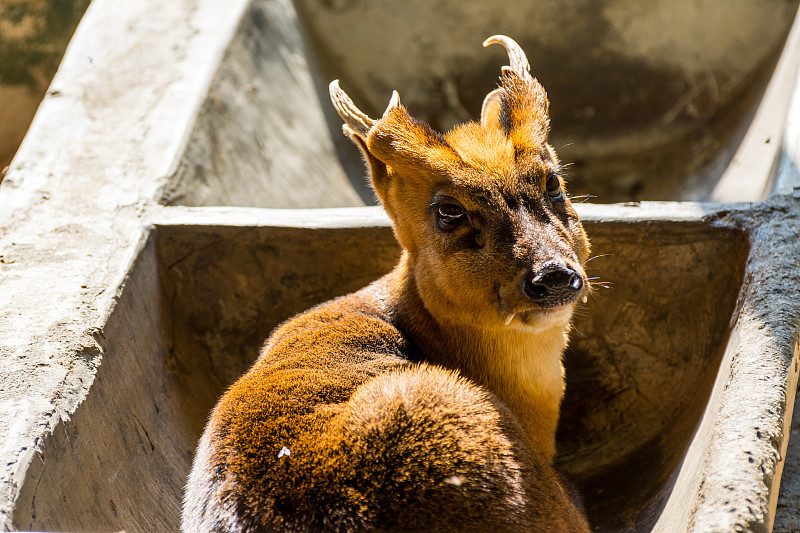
<point>428,400</point>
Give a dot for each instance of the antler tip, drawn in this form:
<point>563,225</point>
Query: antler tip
<point>352,116</point>
<point>516,56</point>
<point>494,39</point>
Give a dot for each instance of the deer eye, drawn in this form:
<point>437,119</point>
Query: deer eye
<point>553,186</point>
<point>449,216</point>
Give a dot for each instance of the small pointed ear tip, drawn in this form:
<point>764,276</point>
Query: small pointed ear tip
<point>394,102</point>
<point>350,131</point>
<point>354,136</point>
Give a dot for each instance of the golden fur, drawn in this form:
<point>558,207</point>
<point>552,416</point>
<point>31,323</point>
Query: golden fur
<point>427,401</point>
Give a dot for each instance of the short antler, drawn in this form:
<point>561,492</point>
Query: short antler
<point>519,61</point>
<point>353,117</point>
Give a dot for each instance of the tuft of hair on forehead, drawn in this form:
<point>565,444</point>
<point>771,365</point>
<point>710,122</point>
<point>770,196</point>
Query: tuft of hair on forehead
<point>493,165</point>
<point>482,148</point>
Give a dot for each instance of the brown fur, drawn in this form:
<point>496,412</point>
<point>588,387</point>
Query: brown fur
<point>414,404</point>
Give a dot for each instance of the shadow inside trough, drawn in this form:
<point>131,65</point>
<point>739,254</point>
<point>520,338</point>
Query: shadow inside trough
<point>200,300</point>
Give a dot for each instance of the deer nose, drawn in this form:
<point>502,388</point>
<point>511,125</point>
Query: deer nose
<point>554,285</point>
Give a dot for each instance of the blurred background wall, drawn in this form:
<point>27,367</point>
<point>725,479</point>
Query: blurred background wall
<point>33,37</point>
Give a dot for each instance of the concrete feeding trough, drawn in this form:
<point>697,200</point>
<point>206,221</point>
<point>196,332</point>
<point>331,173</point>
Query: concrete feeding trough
<point>132,301</point>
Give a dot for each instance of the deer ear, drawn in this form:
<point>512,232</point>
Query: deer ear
<point>395,145</point>
<point>490,110</point>
<point>520,104</point>
<point>357,125</point>
<point>410,147</point>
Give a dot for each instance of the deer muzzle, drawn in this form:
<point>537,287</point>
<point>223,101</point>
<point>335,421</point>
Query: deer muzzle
<point>553,285</point>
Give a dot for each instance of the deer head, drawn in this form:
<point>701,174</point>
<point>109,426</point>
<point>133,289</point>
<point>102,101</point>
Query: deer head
<point>488,230</point>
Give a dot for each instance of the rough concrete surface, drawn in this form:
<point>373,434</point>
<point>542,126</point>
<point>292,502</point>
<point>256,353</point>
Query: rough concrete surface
<point>103,141</point>
<point>236,156</point>
<point>122,319</point>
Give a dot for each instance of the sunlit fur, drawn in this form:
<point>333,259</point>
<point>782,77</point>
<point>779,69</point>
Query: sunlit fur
<point>427,401</point>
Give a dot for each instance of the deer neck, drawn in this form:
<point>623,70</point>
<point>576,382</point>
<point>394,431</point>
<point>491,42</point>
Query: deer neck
<point>522,367</point>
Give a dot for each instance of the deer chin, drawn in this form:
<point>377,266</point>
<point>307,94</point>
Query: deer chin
<point>537,320</point>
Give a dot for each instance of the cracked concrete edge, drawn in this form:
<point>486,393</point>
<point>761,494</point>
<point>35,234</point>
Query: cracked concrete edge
<point>375,216</point>
<point>787,515</point>
<point>107,136</point>
<point>787,187</point>
<point>753,400</point>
